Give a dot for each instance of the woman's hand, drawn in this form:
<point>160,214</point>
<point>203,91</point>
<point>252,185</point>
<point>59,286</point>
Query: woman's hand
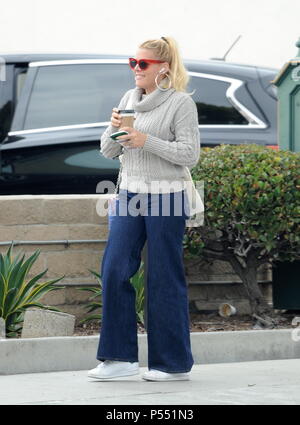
<point>134,138</point>
<point>115,118</point>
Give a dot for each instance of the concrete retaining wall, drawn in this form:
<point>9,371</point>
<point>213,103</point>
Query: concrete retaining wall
<point>79,353</point>
<point>57,218</point>
<point>73,218</point>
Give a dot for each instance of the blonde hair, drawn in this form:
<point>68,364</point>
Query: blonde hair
<point>166,49</point>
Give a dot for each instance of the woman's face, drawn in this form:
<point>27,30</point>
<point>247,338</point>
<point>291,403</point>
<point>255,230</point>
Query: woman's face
<point>145,78</point>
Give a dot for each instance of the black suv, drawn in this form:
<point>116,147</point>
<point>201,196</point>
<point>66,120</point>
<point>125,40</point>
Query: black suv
<point>54,108</point>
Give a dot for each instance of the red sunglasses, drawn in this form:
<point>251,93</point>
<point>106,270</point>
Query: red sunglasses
<point>142,63</point>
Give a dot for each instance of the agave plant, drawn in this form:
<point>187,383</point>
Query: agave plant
<point>17,293</point>
<point>94,305</point>
<point>138,283</point>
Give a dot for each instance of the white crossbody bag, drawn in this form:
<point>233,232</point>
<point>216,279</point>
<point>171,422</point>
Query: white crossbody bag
<point>196,205</point>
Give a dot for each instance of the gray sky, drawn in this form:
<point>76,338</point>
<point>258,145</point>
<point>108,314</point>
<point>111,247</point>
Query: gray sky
<point>203,29</point>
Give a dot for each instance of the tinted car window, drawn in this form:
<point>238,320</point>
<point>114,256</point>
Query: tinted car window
<point>76,94</point>
<point>212,104</point>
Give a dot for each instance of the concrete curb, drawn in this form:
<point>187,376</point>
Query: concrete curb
<point>79,353</point>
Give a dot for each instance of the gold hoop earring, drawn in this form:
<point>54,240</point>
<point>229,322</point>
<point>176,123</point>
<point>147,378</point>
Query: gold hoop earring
<point>160,88</point>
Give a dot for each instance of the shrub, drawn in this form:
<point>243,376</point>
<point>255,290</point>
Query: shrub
<point>252,211</point>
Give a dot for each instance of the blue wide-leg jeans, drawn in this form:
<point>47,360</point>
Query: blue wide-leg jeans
<point>168,334</point>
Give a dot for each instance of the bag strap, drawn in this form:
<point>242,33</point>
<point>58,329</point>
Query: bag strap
<point>128,106</point>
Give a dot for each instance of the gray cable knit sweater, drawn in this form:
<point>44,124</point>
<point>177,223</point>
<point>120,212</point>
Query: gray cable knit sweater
<point>170,121</point>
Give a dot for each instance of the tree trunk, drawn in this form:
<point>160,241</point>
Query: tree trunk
<point>258,302</point>
<point>248,275</point>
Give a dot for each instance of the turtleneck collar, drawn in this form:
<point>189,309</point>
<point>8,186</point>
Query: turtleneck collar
<point>152,100</point>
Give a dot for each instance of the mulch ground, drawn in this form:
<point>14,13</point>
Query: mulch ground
<point>211,322</point>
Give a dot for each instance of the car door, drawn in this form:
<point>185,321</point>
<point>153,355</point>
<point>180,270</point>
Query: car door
<point>53,146</point>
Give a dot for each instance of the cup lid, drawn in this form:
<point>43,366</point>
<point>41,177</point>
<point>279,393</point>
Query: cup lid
<point>126,111</point>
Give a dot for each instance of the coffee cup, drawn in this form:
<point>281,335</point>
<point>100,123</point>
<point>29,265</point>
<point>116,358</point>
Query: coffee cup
<point>127,117</point>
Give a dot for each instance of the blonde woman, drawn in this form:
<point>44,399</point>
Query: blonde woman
<point>155,153</point>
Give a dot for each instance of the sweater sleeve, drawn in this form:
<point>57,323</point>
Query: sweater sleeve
<point>185,149</point>
<point>109,147</point>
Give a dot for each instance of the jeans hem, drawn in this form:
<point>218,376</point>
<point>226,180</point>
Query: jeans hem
<point>102,358</point>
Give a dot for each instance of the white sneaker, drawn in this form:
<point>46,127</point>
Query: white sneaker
<point>113,369</point>
<point>158,375</point>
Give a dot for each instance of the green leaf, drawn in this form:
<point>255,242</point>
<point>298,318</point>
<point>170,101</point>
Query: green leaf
<point>97,291</point>
<point>9,300</point>
<point>26,287</point>
<point>92,317</point>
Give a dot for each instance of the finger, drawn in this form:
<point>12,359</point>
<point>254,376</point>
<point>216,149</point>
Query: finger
<point>115,121</point>
<point>115,117</point>
<point>128,129</point>
<point>125,137</point>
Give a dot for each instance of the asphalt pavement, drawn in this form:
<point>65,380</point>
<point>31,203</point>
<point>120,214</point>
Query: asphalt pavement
<point>269,382</point>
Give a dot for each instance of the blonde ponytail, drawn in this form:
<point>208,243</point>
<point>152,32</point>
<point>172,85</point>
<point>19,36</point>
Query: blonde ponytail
<point>167,50</point>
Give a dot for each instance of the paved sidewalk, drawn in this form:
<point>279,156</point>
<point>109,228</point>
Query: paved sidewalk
<point>263,382</point>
